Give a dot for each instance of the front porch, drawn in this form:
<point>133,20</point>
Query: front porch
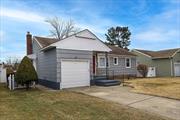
<point>102,76</point>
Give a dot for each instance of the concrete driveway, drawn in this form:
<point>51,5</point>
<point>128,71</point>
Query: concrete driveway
<point>166,107</point>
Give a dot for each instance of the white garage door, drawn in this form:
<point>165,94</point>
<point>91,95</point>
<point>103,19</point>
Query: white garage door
<point>177,69</point>
<point>75,73</point>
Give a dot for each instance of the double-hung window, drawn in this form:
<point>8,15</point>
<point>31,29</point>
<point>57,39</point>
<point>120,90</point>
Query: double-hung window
<point>101,61</point>
<point>128,62</point>
<point>115,60</point>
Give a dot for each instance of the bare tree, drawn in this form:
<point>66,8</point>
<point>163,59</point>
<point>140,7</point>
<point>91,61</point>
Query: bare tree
<point>13,62</point>
<point>60,28</point>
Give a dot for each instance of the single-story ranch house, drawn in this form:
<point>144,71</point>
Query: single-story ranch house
<point>77,59</point>
<point>166,62</point>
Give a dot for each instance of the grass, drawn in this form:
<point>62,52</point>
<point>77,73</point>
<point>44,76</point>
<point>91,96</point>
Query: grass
<point>63,105</point>
<point>165,86</point>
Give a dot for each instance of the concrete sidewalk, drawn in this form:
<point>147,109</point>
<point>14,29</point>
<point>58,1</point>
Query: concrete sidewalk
<point>165,107</point>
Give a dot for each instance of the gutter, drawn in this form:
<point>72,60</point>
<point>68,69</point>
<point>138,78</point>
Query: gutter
<point>47,48</point>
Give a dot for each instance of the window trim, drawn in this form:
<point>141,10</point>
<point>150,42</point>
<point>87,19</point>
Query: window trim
<point>129,62</point>
<point>116,61</point>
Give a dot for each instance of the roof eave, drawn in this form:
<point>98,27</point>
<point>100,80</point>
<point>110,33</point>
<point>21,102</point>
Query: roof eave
<point>47,48</point>
<point>154,58</point>
<point>142,53</point>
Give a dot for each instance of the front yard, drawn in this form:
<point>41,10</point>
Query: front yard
<point>165,86</point>
<point>63,105</point>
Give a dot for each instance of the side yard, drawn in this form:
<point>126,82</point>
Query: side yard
<point>63,105</point>
<point>165,86</point>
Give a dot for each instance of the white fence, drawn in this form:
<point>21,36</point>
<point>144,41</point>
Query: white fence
<point>12,85</point>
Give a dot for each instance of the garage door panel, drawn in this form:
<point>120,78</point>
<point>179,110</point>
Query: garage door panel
<point>75,74</point>
<point>74,78</point>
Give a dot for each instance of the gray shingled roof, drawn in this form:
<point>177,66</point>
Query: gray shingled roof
<point>44,41</point>
<point>159,54</point>
<point>119,51</point>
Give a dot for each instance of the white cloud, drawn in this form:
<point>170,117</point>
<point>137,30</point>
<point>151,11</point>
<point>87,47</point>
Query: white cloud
<point>157,35</point>
<point>160,28</point>
<point>21,15</point>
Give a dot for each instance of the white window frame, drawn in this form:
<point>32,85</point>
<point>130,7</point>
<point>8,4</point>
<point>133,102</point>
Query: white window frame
<point>99,62</point>
<point>129,62</point>
<point>116,60</point>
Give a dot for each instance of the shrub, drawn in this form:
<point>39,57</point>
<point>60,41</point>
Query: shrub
<point>26,73</point>
<point>143,69</point>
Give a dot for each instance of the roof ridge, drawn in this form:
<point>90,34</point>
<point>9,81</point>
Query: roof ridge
<point>168,49</point>
<point>46,37</point>
<point>160,53</point>
<point>57,40</point>
<point>145,50</point>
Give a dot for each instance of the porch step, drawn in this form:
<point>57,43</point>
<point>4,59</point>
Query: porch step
<point>107,82</point>
<point>100,78</point>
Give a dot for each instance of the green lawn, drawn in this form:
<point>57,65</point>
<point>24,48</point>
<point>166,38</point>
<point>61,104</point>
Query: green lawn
<point>63,105</point>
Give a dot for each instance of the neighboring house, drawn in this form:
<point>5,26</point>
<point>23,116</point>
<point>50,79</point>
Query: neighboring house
<point>75,60</point>
<point>166,62</point>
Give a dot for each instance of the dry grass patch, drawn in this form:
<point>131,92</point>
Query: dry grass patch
<point>165,86</point>
<point>63,105</point>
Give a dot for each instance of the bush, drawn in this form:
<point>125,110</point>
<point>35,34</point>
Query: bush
<point>26,73</point>
<point>143,69</point>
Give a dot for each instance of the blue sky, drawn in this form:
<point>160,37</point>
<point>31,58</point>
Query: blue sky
<point>155,24</point>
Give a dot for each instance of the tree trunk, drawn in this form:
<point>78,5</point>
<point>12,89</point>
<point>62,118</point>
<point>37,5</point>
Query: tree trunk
<point>27,85</point>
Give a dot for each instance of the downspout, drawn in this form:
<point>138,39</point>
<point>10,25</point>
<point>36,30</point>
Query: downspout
<point>106,55</point>
<point>172,73</point>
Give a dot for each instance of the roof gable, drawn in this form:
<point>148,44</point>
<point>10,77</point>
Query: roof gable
<point>86,34</point>
<point>83,40</point>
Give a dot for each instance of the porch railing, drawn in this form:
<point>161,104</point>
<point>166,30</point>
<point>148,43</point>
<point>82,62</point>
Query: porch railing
<point>109,74</point>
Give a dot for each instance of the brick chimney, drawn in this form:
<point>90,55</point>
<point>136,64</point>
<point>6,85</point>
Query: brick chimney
<point>28,43</point>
